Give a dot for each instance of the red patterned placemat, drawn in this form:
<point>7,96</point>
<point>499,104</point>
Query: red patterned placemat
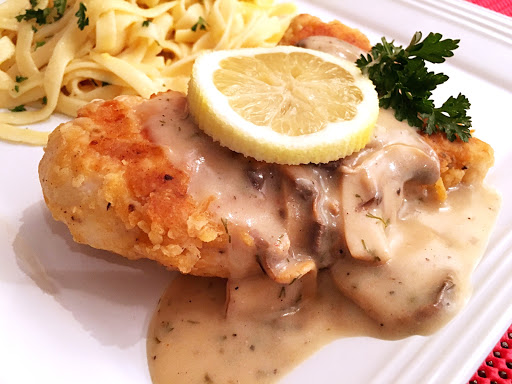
<point>497,367</point>
<point>501,6</point>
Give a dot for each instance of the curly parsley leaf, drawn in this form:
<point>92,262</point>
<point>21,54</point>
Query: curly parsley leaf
<point>452,115</point>
<point>432,49</point>
<point>83,20</point>
<point>404,83</point>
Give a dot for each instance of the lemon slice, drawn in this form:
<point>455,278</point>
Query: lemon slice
<point>285,104</point>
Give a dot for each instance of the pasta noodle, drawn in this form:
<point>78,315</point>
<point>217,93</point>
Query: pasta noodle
<point>58,55</point>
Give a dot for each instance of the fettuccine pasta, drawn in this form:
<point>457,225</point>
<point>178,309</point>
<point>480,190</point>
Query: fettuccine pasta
<point>58,55</point>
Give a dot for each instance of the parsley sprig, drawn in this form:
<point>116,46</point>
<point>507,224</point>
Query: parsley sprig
<point>404,83</point>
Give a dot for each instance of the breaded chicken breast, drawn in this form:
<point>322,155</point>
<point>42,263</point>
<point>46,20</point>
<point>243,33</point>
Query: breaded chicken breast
<point>116,190</point>
<point>138,178</point>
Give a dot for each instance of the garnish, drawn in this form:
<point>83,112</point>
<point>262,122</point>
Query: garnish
<point>258,260</point>
<point>41,16</point>
<point>145,23</point>
<point>39,44</point>
<point>201,24</point>
<point>60,7</point>
<point>403,83</point>
<point>19,79</point>
<point>369,251</point>
<point>18,108</point>
<point>385,222</point>
<point>225,224</point>
<point>83,20</point>
<point>364,246</point>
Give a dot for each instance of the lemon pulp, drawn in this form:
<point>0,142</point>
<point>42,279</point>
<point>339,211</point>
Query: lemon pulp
<point>290,98</point>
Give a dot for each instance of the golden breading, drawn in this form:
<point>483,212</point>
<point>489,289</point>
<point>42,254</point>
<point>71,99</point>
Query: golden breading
<point>116,190</point>
<point>304,25</point>
<point>461,162</point>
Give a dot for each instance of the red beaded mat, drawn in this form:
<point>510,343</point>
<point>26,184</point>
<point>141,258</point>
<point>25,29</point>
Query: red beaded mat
<point>497,367</point>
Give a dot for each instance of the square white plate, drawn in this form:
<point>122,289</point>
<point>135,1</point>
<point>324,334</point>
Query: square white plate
<point>72,314</point>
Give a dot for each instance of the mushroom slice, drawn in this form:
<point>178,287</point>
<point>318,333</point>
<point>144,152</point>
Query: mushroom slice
<point>312,214</point>
<point>278,261</point>
<point>399,296</point>
<point>373,193</point>
<point>263,298</point>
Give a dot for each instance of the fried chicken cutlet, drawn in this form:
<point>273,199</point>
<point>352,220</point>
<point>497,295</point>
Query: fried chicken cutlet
<point>116,190</point>
<point>109,179</point>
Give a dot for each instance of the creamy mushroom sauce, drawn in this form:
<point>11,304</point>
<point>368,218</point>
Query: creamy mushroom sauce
<point>318,252</point>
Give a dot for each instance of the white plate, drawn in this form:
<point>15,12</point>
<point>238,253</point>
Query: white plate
<point>71,314</point>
